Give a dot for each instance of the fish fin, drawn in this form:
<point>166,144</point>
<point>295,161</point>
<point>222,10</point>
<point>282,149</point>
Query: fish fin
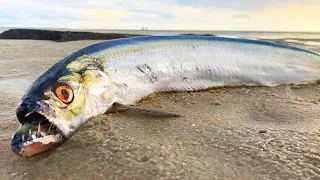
<point>121,107</point>
<point>114,108</point>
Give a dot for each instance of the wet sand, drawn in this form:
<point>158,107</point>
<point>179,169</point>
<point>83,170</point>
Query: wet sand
<point>226,133</point>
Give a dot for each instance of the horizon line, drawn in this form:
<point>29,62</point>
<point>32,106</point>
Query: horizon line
<point>199,30</point>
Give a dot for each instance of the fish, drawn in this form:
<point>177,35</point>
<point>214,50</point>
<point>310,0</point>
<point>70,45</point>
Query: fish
<point>116,74</point>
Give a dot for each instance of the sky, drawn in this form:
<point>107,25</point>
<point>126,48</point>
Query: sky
<point>235,15</point>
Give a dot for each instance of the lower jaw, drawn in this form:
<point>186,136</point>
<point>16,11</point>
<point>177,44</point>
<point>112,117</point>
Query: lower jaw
<point>36,134</point>
<point>35,148</point>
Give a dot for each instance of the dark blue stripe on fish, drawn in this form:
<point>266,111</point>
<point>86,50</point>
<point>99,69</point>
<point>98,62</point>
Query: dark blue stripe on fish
<point>95,48</point>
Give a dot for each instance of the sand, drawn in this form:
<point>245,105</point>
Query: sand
<point>226,133</point>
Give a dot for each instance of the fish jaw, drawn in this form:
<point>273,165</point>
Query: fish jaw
<point>36,133</point>
<point>24,148</point>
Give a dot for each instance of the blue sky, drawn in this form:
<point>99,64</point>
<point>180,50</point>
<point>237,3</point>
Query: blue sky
<point>255,15</point>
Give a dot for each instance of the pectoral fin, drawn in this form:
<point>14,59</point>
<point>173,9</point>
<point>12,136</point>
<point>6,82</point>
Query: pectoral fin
<point>121,107</point>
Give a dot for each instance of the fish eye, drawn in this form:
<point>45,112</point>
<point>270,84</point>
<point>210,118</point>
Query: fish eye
<point>64,92</point>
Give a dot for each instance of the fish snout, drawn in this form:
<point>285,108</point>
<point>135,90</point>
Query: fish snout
<point>16,143</point>
<point>25,109</point>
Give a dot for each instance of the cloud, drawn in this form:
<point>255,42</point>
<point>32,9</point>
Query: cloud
<point>112,13</point>
<point>284,15</point>
<point>241,16</point>
<point>239,5</point>
<point>243,5</point>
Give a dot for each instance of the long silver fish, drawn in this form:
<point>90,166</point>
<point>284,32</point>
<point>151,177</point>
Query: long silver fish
<point>92,80</point>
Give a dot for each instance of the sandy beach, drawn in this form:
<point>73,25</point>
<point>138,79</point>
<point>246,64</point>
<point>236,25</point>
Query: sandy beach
<point>226,133</point>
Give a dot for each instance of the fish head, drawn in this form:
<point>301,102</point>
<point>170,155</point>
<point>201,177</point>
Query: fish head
<point>59,102</point>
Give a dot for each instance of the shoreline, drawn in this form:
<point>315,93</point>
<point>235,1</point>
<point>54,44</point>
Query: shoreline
<point>72,35</point>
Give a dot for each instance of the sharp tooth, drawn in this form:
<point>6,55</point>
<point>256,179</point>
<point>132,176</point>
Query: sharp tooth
<point>29,137</point>
<point>43,134</point>
<point>27,114</point>
<point>30,113</point>
<point>39,130</point>
<point>33,136</point>
<point>22,138</point>
<point>49,129</point>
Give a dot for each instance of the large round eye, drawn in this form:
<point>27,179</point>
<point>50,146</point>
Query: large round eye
<point>64,92</point>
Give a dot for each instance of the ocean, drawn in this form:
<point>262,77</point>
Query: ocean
<point>304,38</point>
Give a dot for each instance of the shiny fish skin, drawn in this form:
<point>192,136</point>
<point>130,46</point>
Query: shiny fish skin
<point>143,65</point>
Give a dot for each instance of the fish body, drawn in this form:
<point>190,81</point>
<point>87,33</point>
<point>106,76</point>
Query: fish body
<point>189,63</point>
<point>88,82</point>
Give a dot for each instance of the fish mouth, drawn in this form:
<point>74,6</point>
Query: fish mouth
<point>36,133</point>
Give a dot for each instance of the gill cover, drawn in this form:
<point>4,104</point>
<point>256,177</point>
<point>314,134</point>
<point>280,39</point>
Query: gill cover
<point>87,91</point>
